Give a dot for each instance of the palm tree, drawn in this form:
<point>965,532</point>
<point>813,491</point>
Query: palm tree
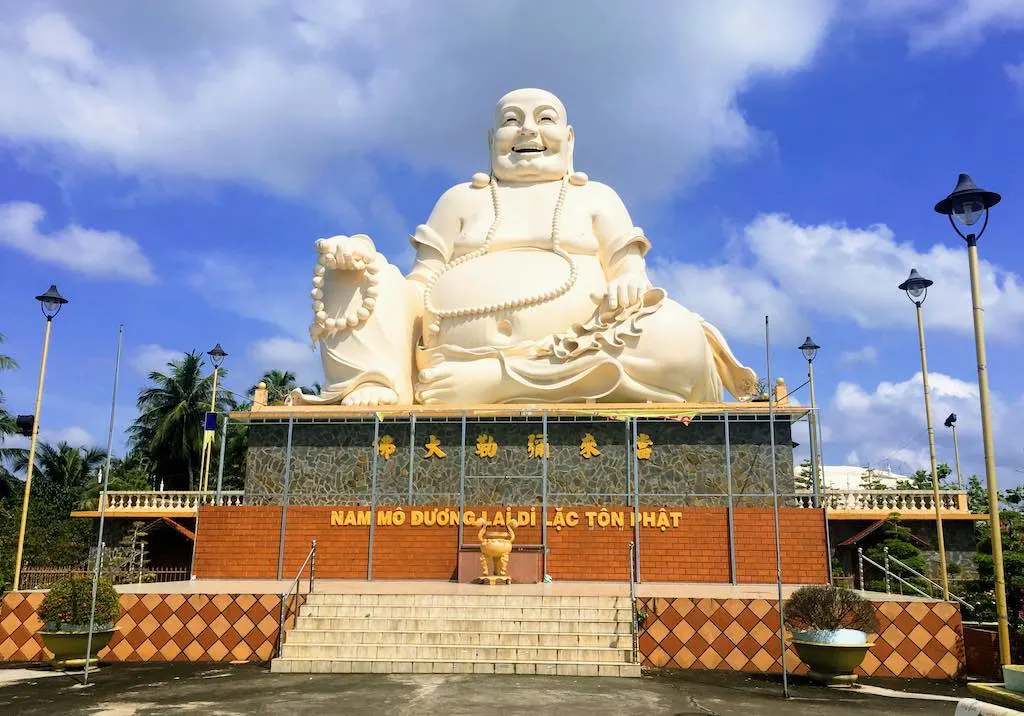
<point>169,428</point>
<point>7,426</point>
<point>279,384</point>
<point>62,474</point>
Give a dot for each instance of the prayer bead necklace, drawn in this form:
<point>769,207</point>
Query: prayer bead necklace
<point>512,304</point>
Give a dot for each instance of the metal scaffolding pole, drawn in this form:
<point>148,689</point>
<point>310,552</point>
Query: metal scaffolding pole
<point>284,498</point>
<point>636,500</point>
<point>412,450</point>
<point>220,462</point>
<point>373,497</point>
<point>544,491</point>
<point>462,481</point>
<point>729,509</point>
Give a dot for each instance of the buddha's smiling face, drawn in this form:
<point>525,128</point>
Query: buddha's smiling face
<point>531,139</point>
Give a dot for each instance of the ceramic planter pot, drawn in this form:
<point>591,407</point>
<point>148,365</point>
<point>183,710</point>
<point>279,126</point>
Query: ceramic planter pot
<point>68,647</point>
<point>1013,678</point>
<point>832,655</point>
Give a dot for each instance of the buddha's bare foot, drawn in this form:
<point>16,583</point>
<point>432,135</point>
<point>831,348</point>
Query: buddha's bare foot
<point>471,381</point>
<point>371,394</point>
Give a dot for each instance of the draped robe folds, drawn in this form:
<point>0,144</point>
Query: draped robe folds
<point>652,351</point>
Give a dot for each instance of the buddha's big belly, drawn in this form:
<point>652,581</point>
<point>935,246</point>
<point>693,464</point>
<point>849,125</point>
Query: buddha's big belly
<point>512,275</point>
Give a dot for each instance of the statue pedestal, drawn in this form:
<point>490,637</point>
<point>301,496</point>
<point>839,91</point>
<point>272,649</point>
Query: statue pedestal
<point>493,580</point>
<point>525,566</point>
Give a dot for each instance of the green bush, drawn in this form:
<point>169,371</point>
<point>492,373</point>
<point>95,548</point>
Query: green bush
<point>67,604</point>
<point>827,608</point>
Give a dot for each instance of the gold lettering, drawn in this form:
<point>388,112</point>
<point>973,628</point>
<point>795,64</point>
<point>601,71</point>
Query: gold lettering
<point>572,519</point>
<point>363,518</point>
<point>468,517</point>
<point>523,518</point>
<point>588,447</point>
<point>536,447</point>
<point>432,448</point>
<point>676,516</point>
<point>662,519</point>
<point>442,518</point>
<point>644,446</point>
<point>386,446</point>
<point>591,516</point>
<point>383,518</point>
<point>337,518</point>
<point>398,518</point>
<point>559,520</point>
<point>618,519</point>
<point>604,518</point>
<point>499,519</point>
<point>430,518</point>
<point>533,517</point>
<point>350,518</point>
<point>648,519</point>
<point>416,518</point>
<point>485,446</point>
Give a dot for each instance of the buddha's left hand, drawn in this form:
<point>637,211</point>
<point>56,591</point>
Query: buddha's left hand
<point>625,290</point>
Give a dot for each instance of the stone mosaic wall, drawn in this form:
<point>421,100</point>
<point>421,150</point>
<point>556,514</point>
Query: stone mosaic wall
<point>332,463</point>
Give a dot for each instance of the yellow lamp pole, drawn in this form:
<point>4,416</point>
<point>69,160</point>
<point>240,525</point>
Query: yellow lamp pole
<point>51,302</point>
<point>916,287</point>
<point>965,205</point>
<point>217,356</point>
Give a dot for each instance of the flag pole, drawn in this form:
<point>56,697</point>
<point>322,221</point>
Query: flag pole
<point>103,504</point>
<point>775,497</point>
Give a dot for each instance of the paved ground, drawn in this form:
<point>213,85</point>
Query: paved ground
<point>216,690</point>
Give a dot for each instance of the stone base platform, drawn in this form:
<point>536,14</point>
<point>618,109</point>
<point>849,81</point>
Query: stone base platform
<point>685,626</point>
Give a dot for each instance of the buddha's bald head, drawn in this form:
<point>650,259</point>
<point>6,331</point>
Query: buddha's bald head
<point>531,139</point>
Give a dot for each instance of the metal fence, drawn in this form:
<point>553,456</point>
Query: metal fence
<point>627,485</point>
<point>44,577</point>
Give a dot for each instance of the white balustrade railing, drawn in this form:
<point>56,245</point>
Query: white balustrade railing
<point>169,500</point>
<point>902,501</point>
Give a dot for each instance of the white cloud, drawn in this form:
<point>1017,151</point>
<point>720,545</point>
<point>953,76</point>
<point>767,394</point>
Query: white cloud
<point>847,273</point>
<point>86,251</point>
<point>865,355</point>
<point>153,357</point>
<point>282,353</point>
<point>885,424</point>
<point>73,435</point>
<point>1016,74</point>
<point>941,24</point>
<point>288,92</point>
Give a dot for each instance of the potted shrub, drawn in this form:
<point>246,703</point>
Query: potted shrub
<point>830,627</point>
<point>65,616</point>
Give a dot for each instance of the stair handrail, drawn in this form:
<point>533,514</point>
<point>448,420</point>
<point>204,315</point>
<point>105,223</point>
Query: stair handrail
<point>294,587</point>
<point>889,573</point>
<point>634,631</point>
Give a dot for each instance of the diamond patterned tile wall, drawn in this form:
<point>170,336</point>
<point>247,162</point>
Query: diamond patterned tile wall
<point>160,627</point>
<point>914,639</point>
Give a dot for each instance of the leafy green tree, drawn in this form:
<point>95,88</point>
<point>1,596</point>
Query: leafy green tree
<point>803,481</point>
<point>897,539</point>
<point>128,473</point>
<point>7,427</point>
<point>169,427</point>
<point>922,479</point>
<point>279,384</point>
<point>62,474</point>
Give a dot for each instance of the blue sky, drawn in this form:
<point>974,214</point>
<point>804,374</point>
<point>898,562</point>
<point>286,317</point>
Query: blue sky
<point>170,167</point>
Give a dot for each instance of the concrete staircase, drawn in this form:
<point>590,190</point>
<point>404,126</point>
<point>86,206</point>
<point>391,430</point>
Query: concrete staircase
<point>460,634</point>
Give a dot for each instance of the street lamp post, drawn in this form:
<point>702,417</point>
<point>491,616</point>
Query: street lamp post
<point>217,356</point>
<point>965,205</point>
<point>50,303</point>
<point>951,423</point>
<point>916,287</point>
<point>810,350</point>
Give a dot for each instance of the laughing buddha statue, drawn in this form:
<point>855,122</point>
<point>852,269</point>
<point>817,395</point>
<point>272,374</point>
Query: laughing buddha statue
<point>529,285</point>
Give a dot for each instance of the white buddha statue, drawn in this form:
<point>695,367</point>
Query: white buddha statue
<point>529,286</point>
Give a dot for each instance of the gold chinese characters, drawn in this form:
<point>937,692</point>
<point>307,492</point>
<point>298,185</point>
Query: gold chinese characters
<point>386,447</point>
<point>485,446</point>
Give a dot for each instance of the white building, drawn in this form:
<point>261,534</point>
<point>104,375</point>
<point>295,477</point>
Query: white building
<point>855,477</point>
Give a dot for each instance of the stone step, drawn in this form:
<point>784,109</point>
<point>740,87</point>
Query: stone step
<point>417,666</point>
<point>433,652</point>
<point>370,611</point>
<point>469,600</point>
<point>304,635</point>
<point>458,623</point>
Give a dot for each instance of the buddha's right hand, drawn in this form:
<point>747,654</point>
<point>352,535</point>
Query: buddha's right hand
<point>345,253</point>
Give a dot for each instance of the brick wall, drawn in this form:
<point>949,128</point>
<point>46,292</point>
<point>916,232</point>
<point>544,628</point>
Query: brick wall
<point>243,542</point>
